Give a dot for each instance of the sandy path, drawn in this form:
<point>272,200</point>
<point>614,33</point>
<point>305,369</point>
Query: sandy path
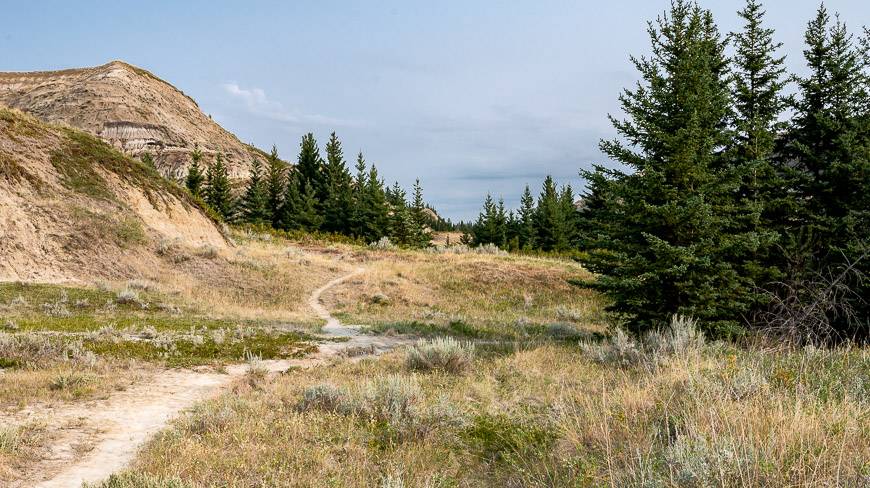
<point>100,437</point>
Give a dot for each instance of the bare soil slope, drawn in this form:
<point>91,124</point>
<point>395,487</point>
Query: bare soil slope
<point>129,108</point>
<point>73,208</point>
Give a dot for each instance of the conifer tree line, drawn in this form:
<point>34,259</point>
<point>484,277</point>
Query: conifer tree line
<point>316,194</point>
<point>740,193</point>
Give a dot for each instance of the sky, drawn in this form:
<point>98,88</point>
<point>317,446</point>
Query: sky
<point>472,97</point>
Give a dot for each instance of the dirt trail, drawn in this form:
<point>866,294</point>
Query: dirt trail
<point>100,437</point>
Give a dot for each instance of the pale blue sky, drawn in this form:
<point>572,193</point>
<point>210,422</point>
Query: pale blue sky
<point>472,97</point>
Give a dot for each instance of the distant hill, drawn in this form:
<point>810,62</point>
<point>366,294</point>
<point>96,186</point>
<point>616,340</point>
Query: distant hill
<point>129,108</point>
<point>74,208</point>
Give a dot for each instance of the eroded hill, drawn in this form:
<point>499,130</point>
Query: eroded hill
<point>72,207</point>
<point>129,108</point>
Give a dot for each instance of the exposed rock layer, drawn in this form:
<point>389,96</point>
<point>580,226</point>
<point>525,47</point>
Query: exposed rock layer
<point>129,108</point>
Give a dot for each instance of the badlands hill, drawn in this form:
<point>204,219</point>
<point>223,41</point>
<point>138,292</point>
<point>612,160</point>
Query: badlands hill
<point>129,108</point>
<point>74,208</point>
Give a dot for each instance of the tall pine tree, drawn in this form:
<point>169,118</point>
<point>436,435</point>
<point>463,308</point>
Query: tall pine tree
<point>255,199</point>
<point>218,195</point>
<point>276,174</point>
<point>668,248</point>
<point>338,197</point>
<point>194,179</point>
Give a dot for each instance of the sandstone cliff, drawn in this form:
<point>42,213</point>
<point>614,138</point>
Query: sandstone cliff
<point>129,108</point>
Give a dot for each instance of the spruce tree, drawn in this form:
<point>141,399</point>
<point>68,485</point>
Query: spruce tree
<point>669,247</point>
<point>569,218</point>
<point>309,217</point>
<point>338,198</point>
<point>828,155</point>
<point>357,219</point>
<point>526,221</point>
<point>218,195</point>
<point>375,208</point>
<point>194,179</point>
<point>757,84</point>
<point>400,218</point>
<point>291,204</point>
<point>309,166</point>
<point>254,203</point>
<point>275,186</point>
<point>484,229</point>
<point>420,234</point>
<point>550,218</point>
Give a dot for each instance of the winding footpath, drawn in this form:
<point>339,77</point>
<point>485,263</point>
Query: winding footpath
<point>111,431</point>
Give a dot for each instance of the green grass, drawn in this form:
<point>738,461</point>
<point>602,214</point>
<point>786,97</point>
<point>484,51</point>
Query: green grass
<point>141,329</point>
<point>186,352</point>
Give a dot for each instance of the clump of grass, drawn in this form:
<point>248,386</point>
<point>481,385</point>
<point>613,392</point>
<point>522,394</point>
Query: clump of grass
<point>443,353</point>
<point>38,351</point>
<point>383,243</point>
<point>10,439</point>
<point>393,399</point>
<point>127,297</point>
<point>207,251</point>
<point>140,284</point>
<point>380,299</point>
<point>211,417</point>
<point>680,339</point>
<point>485,249</point>
<point>138,480</point>
<point>56,309</point>
<point>620,349</point>
<point>68,380</point>
<point>327,397</point>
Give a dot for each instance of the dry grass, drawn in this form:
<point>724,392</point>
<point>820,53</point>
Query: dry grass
<point>544,417</point>
<point>501,295</point>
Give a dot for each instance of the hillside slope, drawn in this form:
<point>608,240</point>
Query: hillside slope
<point>129,108</point>
<point>73,208</point>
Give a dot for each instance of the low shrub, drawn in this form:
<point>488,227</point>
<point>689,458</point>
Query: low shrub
<point>38,350</point>
<point>682,338</point>
<point>127,297</point>
<point>383,243</point>
<point>443,353</point>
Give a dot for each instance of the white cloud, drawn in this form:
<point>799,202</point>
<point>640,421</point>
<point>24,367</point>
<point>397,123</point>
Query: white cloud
<point>257,103</point>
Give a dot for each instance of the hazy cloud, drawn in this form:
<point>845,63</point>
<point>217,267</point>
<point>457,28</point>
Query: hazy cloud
<point>257,103</point>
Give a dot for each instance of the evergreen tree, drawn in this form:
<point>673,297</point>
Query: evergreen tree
<point>526,222</point>
<point>757,85</point>
<point>309,217</point>
<point>291,204</point>
<point>550,219</point>
<point>218,195</point>
<point>420,234</point>
<point>375,208</point>
<point>309,166</point>
<point>275,187</point>
<point>569,217</point>
<point>828,155</point>
<point>358,212</point>
<point>671,244</point>
<point>255,199</point>
<point>194,179</point>
<point>338,198</point>
<point>401,225</point>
